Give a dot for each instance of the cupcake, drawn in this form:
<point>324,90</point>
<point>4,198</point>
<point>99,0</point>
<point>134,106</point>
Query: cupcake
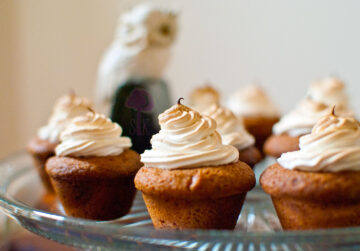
<point>321,97</point>
<point>317,186</point>
<point>203,97</point>
<point>93,170</point>
<point>190,180</point>
<point>257,110</point>
<point>43,145</point>
<point>233,133</point>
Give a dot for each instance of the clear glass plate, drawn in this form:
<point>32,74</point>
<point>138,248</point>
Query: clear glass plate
<point>22,198</point>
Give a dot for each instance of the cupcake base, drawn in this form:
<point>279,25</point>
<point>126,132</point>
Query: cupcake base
<point>276,145</point>
<point>250,155</point>
<point>260,128</point>
<point>97,198</point>
<point>41,151</point>
<point>313,200</point>
<point>195,198</point>
<point>299,214</point>
<point>219,213</point>
<point>97,188</point>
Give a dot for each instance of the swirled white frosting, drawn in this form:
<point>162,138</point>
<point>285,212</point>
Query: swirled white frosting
<point>203,97</point>
<point>92,135</point>
<point>252,101</point>
<point>329,91</point>
<point>187,140</point>
<point>66,108</point>
<point>332,146</point>
<point>230,127</point>
<point>301,120</point>
<point>322,96</point>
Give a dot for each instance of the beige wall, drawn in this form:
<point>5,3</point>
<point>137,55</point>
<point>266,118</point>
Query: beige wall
<point>56,48</point>
<point>50,46</point>
<point>8,129</point>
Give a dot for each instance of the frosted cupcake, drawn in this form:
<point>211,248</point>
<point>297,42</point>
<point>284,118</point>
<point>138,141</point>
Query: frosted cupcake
<point>93,170</point>
<point>190,180</point>
<point>257,110</point>
<point>233,133</point>
<point>43,145</point>
<point>321,97</point>
<point>317,186</point>
<point>203,97</point>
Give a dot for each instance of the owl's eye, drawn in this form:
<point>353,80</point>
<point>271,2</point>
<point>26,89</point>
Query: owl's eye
<point>164,29</point>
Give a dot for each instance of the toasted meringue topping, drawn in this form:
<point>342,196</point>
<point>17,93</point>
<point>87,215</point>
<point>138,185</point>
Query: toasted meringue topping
<point>332,146</point>
<point>230,127</point>
<point>203,97</point>
<point>329,91</point>
<point>66,108</point>
<point>252,101</point>
<point>187,140</point>
<point>92,135</point>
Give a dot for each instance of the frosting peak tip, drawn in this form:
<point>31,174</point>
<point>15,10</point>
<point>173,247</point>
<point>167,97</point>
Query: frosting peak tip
<point>179,101</point>
<point>333,110</point>
<point>91,110</point>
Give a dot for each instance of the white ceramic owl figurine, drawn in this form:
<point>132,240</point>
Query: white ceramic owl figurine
<point>140,49</point>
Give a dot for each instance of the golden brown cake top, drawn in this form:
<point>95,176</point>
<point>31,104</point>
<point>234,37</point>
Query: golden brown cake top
<point>41,147</point>
<point>205,182</point>
<point>279,181</point>
<point>126,163</point>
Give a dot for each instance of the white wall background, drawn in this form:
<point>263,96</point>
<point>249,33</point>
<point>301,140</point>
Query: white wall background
<point>50,46</point>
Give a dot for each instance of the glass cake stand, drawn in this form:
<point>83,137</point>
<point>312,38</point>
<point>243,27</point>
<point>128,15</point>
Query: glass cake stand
<point>23,199</point>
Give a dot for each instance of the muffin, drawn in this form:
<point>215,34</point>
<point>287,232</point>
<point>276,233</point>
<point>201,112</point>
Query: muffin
<point>257,110</point>
<point>190,180</point>
<point>93,170</point>
<point>233,133</point>
<point>43,145</point>
<point>321,97</point>
<point>316,187</point>
<point>203,97</point>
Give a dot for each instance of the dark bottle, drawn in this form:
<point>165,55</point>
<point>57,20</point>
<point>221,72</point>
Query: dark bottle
<point>136,106</point>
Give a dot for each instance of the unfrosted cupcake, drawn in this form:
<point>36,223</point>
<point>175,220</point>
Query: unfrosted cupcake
<point>93,170</point>
<point>43,145</point>
<point>317,186</point>
<point>233,133</point>
<point>321,97</point>
<point>257,110</point>
<point>190,180</point>
<point>203,97</point>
